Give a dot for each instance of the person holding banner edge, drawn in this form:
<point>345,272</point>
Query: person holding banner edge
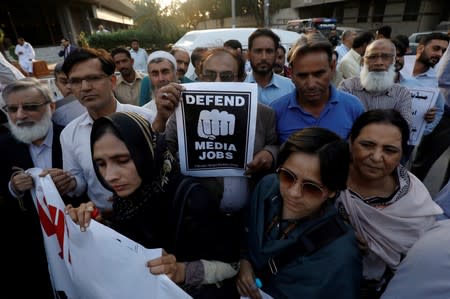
<point>134,163</point>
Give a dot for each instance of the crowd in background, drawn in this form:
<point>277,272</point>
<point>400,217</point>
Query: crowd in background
<point>331,205</point>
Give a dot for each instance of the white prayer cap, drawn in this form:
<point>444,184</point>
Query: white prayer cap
<point>163,55</point>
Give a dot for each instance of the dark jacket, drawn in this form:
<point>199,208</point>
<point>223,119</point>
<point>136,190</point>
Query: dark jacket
<point>333,271</point>
<point>22,256</point>
<point>66,51</point>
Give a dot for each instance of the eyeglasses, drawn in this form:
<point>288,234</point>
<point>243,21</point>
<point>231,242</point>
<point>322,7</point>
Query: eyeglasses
<point>92,79</point>
<point>210,76</point>
<point>309,189</point>
<point>383,56</point>
<point>32,107</point>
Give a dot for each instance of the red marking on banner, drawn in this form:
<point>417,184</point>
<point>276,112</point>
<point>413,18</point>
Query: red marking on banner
<point>49,225</point>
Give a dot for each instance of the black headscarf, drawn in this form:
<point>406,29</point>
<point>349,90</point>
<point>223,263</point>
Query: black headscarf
<point>154,162</point>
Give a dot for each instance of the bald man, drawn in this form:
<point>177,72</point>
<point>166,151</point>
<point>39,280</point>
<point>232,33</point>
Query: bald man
<point>375,86</point>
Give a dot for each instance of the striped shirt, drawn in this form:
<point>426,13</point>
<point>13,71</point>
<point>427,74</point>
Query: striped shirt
<point>397,97</point>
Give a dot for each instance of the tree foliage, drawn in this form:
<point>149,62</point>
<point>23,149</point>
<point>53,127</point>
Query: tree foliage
<point>196,11</point>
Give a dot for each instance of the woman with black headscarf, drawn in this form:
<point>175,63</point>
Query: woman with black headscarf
<point>137,167</point>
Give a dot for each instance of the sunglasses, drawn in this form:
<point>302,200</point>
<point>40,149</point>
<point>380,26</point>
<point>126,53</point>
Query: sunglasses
<point>26,107</point>
<point>309,189</point>
<point>211,76</point>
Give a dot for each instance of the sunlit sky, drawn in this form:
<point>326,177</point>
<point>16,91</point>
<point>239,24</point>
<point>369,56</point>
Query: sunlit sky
<point>164,3</point>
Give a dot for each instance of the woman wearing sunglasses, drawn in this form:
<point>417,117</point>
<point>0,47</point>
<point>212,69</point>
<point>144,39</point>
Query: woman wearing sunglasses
<point>388,207</point>
<point>296,243</point>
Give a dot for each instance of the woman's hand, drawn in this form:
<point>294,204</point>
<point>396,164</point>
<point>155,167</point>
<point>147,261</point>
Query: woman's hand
<point>246,281</point>
<point>167,264</point>
<point>83,214</point>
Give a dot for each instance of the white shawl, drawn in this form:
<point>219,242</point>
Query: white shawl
<point>391,231</point>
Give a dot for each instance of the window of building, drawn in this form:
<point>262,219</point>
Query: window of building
<point>411,10</point>
<point>363,12</point>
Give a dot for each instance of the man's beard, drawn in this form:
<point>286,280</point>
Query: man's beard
<point>257,70</point>
<point>428,61</point>
<point>377,81</point>
<point>32,133</point>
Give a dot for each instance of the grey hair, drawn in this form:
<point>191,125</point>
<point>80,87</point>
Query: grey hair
<point>25,84</point>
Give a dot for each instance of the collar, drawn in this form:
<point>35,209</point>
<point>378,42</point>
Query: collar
<point>333,99</point>
<point>138,77</point>
<point>48,141</point>
<point>87,119</point>
<point>430,73</point>
<point>359,87</point>
<point>355,55</point>
<point>275,81</point>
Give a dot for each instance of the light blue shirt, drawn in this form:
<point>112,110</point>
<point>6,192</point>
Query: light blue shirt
<point>341,50</point>
<point>278,87</point>
<point>411,82</point>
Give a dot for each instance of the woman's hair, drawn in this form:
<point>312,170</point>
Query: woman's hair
<point>135,132</point>
<point>381,116</point>
<point>333,153</point>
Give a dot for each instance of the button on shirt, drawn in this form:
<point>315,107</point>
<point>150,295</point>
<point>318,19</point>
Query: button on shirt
<point>278,87</point>
<point>76,149</point>
<point>338,114</point>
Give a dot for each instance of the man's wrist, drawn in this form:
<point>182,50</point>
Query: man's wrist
<point>158,125</point>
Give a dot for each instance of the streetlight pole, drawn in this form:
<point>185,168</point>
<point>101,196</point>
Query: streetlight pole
<point>233,13</point>
<point>266,13</point>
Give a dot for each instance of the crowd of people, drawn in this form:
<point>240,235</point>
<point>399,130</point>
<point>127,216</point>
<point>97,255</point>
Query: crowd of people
<point>327,206</point>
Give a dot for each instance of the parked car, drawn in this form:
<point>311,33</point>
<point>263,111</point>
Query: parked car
<point>415,38</point>
<point>324,25</point>
<point>216,38</point>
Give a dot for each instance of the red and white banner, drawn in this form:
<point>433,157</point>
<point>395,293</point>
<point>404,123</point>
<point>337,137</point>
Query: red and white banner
<point>99,263</point>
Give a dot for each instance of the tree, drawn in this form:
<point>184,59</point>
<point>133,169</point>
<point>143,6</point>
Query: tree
<point>256,8</point>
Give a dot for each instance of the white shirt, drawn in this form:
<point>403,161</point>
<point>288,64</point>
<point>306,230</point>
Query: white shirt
<point>140,60</point>
<point>27,56</point>
<point>76,148</point>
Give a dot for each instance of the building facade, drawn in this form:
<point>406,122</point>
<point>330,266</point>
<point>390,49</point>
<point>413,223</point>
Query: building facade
<point>45,22</point>
<point>405,16</point>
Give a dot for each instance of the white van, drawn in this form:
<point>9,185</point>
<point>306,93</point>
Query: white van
<point>216,37</point>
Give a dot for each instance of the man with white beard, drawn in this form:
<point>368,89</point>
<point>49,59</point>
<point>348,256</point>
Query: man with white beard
<point>375,86</point>
<point>33,141</point>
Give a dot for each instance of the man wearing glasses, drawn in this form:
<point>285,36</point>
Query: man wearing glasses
<point>375,85</point>
<point>92,81</point>
<point>33,141</point>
